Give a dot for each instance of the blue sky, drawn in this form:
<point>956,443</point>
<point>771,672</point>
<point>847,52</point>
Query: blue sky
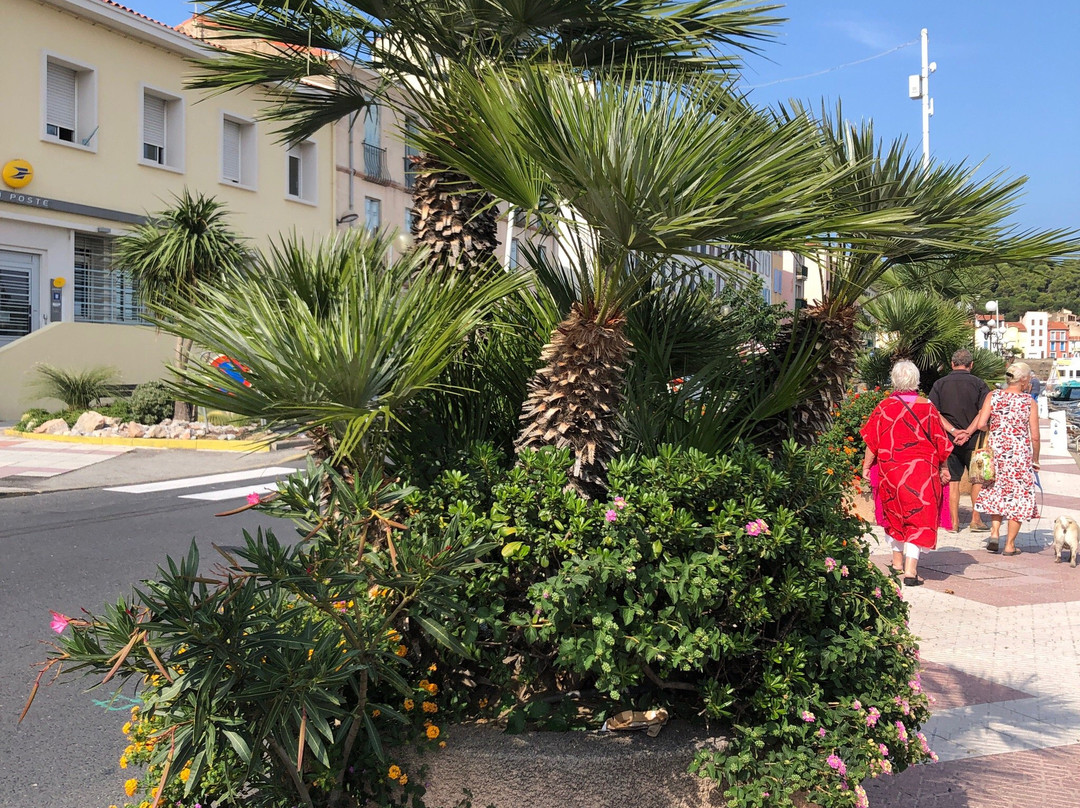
<point>1006,91</point>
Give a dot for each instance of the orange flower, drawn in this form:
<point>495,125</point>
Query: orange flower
<point>394,772</point>
<point>403,779</point>
<point>829,471</point>
<point>432,732</point>
<point>429,707</point>
<point>409,704</point>
<point>401,650</point>
<point>130,786</point>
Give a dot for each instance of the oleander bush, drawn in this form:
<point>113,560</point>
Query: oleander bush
<point>731,587</point>
<point>282,675</point>
<point>151,403</point>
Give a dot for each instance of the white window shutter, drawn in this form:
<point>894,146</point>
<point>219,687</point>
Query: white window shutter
<point>60,96</point>
<point>372,127</point>
<point>230,151</point>
<point>154,121</point>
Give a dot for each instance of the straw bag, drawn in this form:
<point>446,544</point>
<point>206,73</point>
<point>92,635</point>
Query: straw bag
<point>981,469</point>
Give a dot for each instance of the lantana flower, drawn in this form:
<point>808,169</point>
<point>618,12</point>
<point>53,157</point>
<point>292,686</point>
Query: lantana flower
<point>620,503</point>
<point>835,762</point>
<point>873,716</point>
<point>830,564</point>
<point>611,516</point>
<point>808,717</point>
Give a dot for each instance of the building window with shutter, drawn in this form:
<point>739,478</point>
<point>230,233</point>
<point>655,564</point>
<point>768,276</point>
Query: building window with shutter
<point>70,103</point>
<point>162,129</point>
<point>372,213</point>
<point>300,173</point>
<point>238,152</point>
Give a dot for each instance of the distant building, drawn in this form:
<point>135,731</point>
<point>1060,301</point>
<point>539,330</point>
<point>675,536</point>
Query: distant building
<point>1037,324</point>
<point>1057,340</point>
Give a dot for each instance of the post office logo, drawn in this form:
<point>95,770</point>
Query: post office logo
<point>17,173</point>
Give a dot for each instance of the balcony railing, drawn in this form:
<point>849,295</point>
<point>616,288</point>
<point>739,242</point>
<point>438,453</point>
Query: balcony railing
<point>375,164</point>
<point>410,173</point>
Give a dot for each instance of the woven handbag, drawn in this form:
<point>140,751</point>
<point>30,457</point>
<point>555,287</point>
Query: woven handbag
<point>981,469</point>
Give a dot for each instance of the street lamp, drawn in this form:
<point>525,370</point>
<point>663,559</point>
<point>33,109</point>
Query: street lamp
<point>994,331</point>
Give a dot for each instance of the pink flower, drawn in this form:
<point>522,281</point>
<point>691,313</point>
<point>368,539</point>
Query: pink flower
<point>59,621</point>
<point>821,732</point>
<point>924,745</point>
<point>752,528</point>
<point>830,564</point>
<point>901,731</point>
<point>253,498</point>
<point>877,592</point>
<point>883,749</point>
<point>620,503</point>
<point>764,794</point>
<point>861,800</point>
<point>886,766</point>
<point>856,705</point>
<point>611,516</point>
<point>844,571</point>
<point>873,716</point>
<point>836,763</point>
<point>808,717</point>
<point>763,526</point>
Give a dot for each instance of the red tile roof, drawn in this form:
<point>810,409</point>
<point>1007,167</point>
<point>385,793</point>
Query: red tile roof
<point>143,16</point>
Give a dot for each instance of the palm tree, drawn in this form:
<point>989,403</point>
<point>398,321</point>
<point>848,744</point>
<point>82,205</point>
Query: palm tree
<point>175,254</point>
<point>956,221</point>
<point>336,339</point>
<point>926,329</point>
<point>644,170</point>
<point>305,68</point>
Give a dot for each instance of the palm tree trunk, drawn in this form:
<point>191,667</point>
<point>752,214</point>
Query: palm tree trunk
<point>837,330</point>
<point>182,410</point>
<point>456,218</point>
<point>574,397</point>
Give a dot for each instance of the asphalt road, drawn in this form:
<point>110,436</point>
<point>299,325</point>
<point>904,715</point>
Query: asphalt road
<point>65,551</point>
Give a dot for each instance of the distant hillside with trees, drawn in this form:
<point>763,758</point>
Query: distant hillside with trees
<point>1031,287</point>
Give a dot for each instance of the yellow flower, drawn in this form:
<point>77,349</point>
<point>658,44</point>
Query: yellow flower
<point>134,712</point>
<point>409,704</point>
<point>403,779</point>
<point>185,773</point>
<point>129,750</point>
<point>442,744</point>
<point>432,732</point>
<point>394,772</point>
<point>123,762</point>
<point>393,635</point>
<point>401,650</point>
<point>310,652</point>
<point>126,729</point>
<point>131,786</point>
<point>430,707</point>
<point>432,668</point>
<point>376,713</point>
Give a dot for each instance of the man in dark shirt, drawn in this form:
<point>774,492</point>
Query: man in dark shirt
<point>959,397</point>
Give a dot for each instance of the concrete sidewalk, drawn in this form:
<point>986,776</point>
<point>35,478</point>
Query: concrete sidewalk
<point>1000,644</point>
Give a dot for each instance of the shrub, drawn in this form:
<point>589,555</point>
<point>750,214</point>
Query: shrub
<point>284,676</point>
<point>78,389</point>
<point>151,403</point>
<point>730,586</point>
<point>120,409</point>
<point>841,447</point>
<point>32,418</point>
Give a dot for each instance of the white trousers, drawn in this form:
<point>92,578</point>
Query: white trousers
<point>908,549</point>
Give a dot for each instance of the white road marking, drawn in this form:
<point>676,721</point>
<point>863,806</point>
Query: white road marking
<point>210,479</point>
<point>232,493</point>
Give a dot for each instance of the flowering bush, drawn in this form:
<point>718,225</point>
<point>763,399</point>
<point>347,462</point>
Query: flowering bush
<point>841,447</point>
<point>284,676</point>
<point>729,586</point>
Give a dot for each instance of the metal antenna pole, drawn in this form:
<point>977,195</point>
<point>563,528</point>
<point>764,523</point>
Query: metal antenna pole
<point>919,87</point>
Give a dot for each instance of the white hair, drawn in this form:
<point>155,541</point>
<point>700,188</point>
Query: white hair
<point>1018,373</point>
<point>905,375</point>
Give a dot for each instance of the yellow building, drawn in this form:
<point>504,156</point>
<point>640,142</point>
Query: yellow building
<point>98,129</point>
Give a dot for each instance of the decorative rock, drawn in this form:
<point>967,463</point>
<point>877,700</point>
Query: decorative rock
<point>110,421</point>
<point>135,430</point>
<point>57,426</point>
<point>157,431</point>
<point>89,421</point>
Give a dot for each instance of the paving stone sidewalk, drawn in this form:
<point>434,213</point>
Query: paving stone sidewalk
<point>29,458</point>
<point>1000,642</point>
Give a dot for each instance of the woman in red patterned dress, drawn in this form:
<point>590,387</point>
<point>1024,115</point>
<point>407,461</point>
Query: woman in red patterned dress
<point>1013,417</point>
<point>905,438</point>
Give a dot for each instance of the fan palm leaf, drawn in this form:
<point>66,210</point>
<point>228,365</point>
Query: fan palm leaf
<point>342,353</point>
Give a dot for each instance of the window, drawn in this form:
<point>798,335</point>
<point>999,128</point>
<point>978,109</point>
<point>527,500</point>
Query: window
<point>70,102</point>
<point>300,172</point>
<point>515,254</point>
<point>102,294</point>
<point>372,213</point>
<point>162,129</point>
<point>238,152</point>
<point>412,221</point>
<point>778,282</point>
<point>372,128</point>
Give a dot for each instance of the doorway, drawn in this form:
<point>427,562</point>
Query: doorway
<point>18,295</point>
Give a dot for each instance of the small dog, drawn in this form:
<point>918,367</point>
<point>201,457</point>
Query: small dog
<point>1066,534</point>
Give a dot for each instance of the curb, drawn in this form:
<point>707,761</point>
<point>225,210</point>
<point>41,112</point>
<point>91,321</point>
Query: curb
<point>151,443</point>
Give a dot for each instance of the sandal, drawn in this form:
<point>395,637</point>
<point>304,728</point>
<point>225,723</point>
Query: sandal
<point>1011,552</point>
<point>909,581</point>
<point>992,545</point>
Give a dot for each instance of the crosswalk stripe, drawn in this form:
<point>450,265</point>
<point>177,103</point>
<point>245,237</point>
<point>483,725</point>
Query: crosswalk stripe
<point>210,479</point>
<point>232,493</point>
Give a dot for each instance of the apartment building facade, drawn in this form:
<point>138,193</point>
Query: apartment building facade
<point>108,133</point>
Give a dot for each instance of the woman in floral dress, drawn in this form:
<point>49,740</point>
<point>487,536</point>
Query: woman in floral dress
<point>1014,438</point>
